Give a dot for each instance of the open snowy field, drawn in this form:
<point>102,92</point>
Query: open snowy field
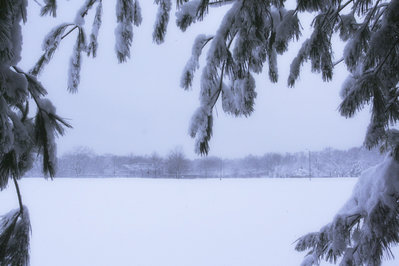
<point>158,222</point>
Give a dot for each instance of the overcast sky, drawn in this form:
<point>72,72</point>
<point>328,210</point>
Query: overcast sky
<point>138,107</point>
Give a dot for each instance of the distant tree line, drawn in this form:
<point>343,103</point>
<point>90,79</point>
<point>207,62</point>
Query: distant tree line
<point>83,162</point>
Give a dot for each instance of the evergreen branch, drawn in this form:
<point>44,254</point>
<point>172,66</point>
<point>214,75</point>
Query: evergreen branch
<point>217,93</point>
<point>343,6</point>
<point>377,70</point>
<point>37,102</point>
<point>37,2</point>
<point>220,2</point>
<point>370,15</point>
<point>69,32</point>
<point>50,8</point>
<point>88,6</point>
<point>21,206</point>
<point>338,62</point>
<point>378,18</point>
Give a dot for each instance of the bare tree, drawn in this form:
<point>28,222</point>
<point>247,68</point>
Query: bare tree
<point>156,162</point>
<point>176,162</point>
<point>78,160</point>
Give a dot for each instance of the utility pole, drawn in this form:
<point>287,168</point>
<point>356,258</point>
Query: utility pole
<point>310,168</point>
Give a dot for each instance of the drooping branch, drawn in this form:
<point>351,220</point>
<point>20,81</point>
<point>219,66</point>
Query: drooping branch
<point>21,206</point>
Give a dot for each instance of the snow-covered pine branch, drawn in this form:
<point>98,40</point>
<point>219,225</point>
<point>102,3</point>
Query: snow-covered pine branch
<point>201,129</point>
<point>137,18</point>
<point>187,14</point>
<point>244,42</point>
<point>49,8</point>
<point>288,29</point>
<point>75,62</point>
<point>47,127</point>
<point>364,229</point>
<point>127,14</point>
<point>162,20</point>
<point>49,46</point>
<point>14,237</point>
<point>193,63</point>
<point>93,44</point>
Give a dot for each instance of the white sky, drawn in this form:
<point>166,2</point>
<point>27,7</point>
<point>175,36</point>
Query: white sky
<point>138,107</point>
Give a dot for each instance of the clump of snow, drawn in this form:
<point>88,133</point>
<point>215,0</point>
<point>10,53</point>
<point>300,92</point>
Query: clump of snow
<point>287,29</point>
<point>76,62</point>
<point>127,14</point>
<point>187,14</point>
<point>53,38</point>
<point>346,87</point>
<point>16,85</point>
<point>162,20</point>
<point>193,63</point>
<point>366,227</point>
<point>137,18</point>
<point>92,47</point>
<point>376,184</point>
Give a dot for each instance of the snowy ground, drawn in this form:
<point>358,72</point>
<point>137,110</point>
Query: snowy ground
<point>143,222</point>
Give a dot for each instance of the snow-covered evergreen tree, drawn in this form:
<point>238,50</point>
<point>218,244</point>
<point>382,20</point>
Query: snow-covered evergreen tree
<point>247,41</point>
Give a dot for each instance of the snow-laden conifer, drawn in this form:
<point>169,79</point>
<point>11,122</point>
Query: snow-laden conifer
<point>19,131</point>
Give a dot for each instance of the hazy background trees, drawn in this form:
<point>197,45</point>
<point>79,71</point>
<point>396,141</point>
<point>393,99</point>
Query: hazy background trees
<point>83,162</point>
<point>176,162</point>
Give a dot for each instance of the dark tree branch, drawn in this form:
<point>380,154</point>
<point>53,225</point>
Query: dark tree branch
<point>21,208</point>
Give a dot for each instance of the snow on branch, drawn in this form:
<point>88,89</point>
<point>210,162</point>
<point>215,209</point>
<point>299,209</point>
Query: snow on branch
<point>49,46</point>
<point>93,44</point>
<point>79,19</point>
<point>162,20</point>
<point>366,227</point>
<point>359,94</point>
<point>15,233</point>
<point>187,14</point>
<point>49,8</point>
<point>239,98</point>
<point>201,129</point>
<point>137,18</point>
<point>288,29</point>
<point>193,63</point>
<point>127,14</point>
<point>47,126</point>
<point>75,62</point>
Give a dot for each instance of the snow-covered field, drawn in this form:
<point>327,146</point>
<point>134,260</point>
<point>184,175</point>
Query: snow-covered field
<point>158,222</point>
